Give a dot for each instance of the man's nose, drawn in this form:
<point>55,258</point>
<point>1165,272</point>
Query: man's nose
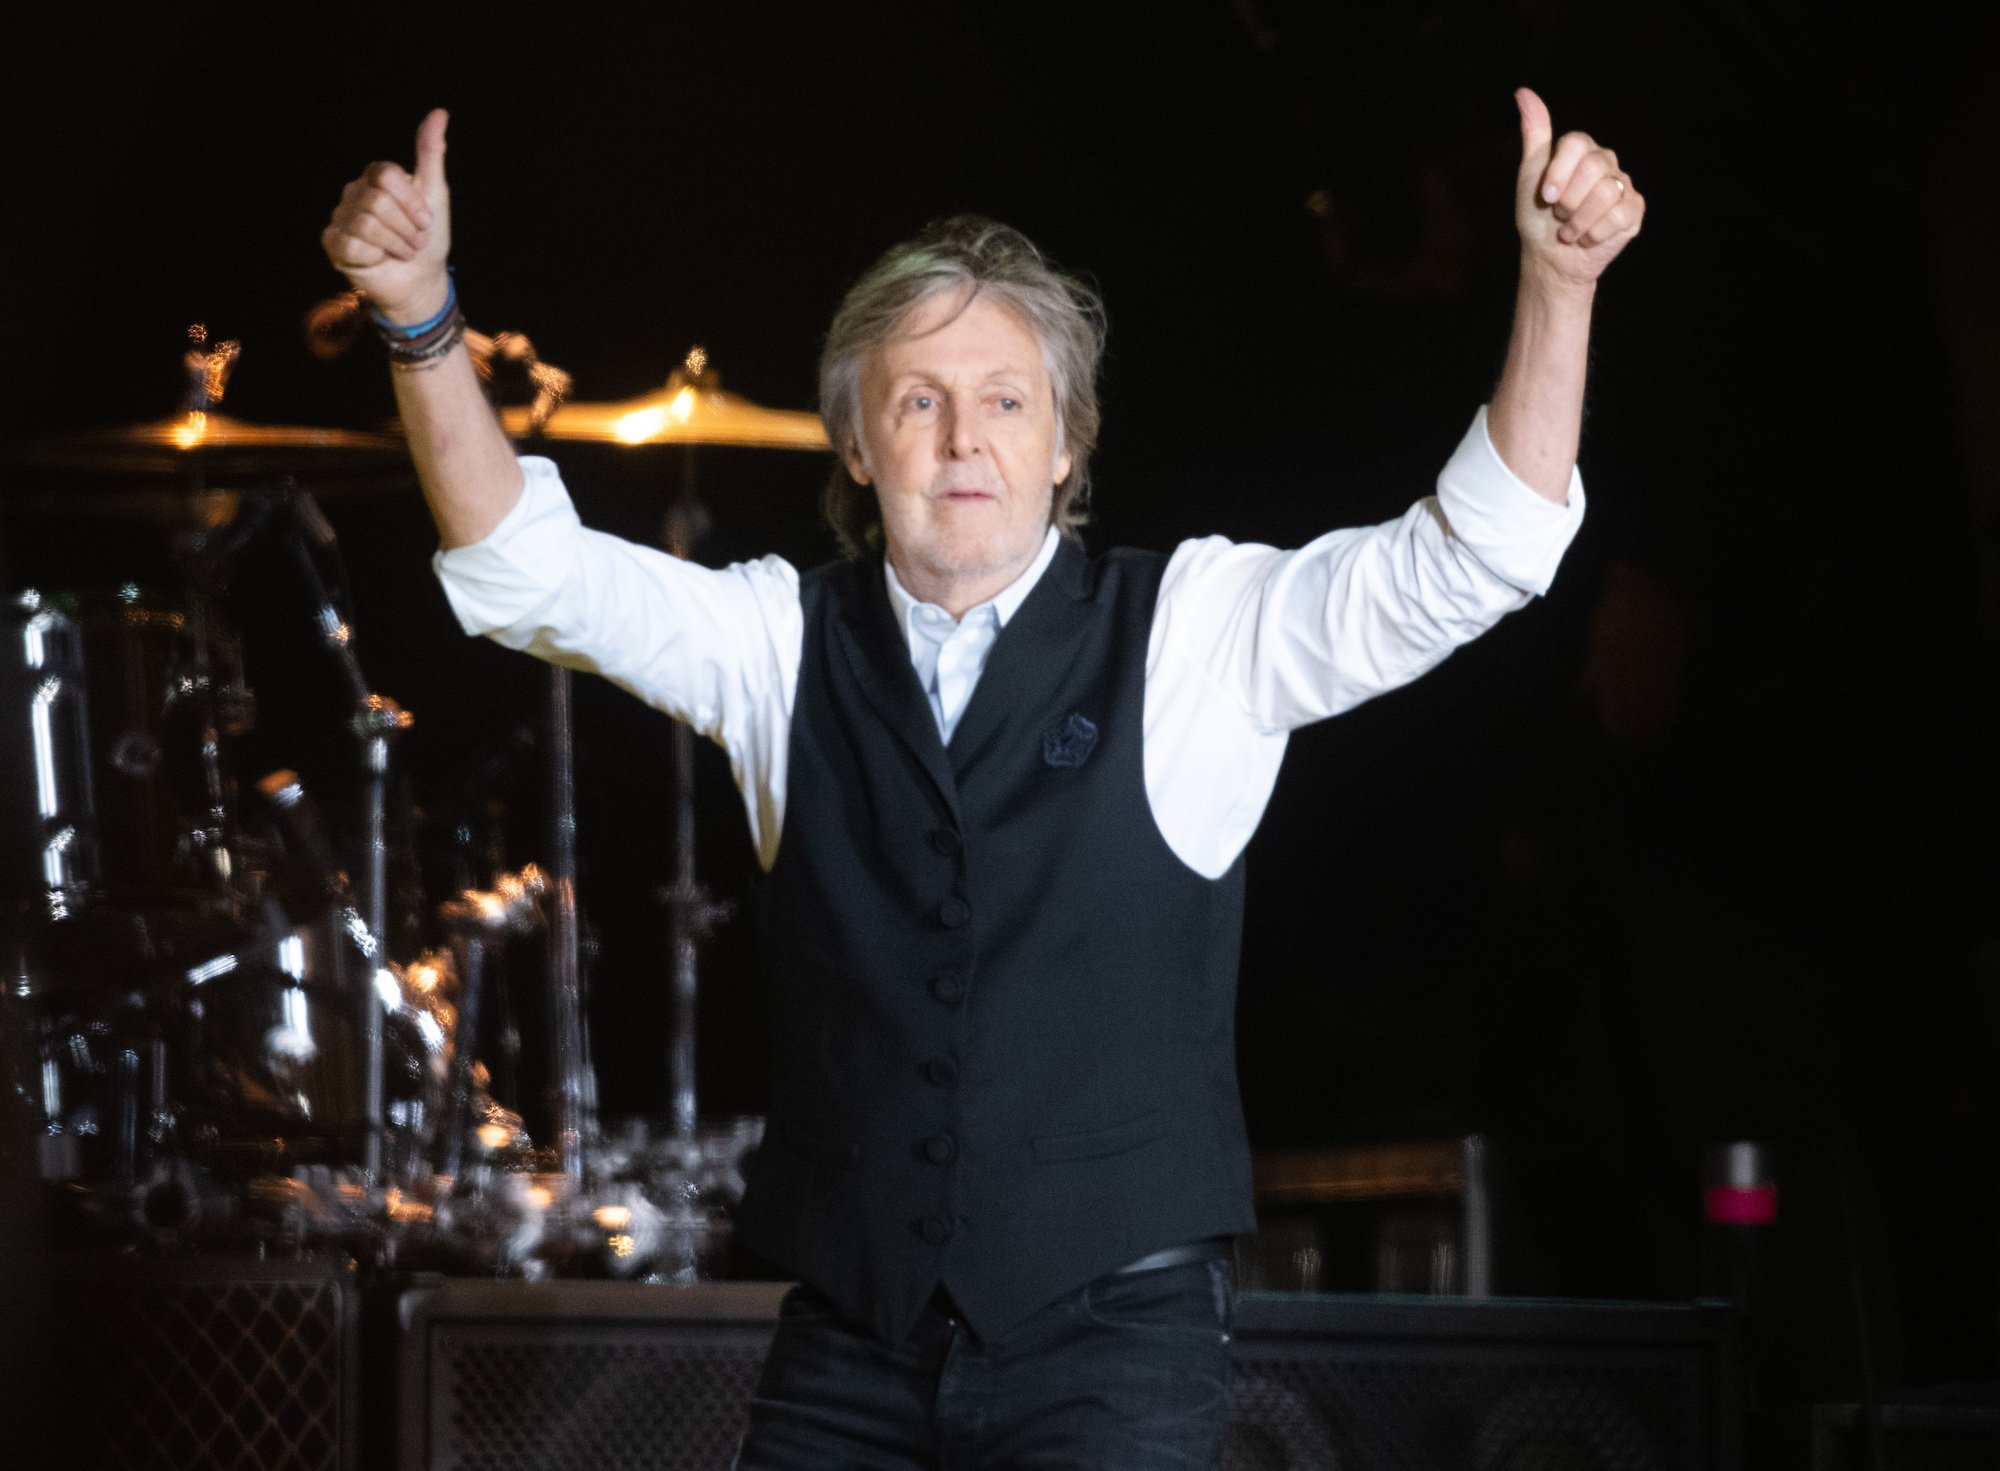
<point>960,429</point>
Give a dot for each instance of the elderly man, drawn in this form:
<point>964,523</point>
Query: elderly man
<point>1000,791</point>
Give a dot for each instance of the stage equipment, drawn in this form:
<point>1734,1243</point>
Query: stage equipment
<point>187,471</point>
<point>191,1365</point>
<point>1411,1384</point>
<point>1446,1247</point>
<point>691,410</point>
<point>228,1055</point>
<point>215,446</point>
<point>132,694</point>
<point>565,1373</point>
<point>480,919</point>
<point>205,1020</point>
<point>535,1375</point>
<point>1941,1434</point>
<point>376,723</point>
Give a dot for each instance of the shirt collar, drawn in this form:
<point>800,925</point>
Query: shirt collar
<point>1004,604</point>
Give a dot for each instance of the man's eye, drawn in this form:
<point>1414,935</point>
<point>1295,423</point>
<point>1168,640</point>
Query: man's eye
<point>921,401</point>
<point>1010,404</point>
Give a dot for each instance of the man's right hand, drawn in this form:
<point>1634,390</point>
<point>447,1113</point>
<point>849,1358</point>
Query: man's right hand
<point>390,235</point>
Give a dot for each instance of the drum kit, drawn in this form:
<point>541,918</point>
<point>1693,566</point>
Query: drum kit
<point>239,1036</point>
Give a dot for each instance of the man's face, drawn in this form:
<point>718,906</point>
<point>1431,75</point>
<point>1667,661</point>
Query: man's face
<point>958,437</point>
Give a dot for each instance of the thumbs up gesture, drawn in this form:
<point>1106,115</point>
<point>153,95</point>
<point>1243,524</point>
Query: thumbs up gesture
<point>391,232</point>
<point>1574,207</point>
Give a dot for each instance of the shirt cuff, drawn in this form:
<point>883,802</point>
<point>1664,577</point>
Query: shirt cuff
<point>1517,534</point>
<point>496,582</point>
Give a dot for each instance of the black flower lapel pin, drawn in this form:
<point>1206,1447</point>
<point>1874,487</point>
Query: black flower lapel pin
<point>1069,741</point>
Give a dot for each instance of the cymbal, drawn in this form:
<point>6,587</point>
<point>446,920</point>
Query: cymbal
<point>680,413</point>
<point>214,446</point>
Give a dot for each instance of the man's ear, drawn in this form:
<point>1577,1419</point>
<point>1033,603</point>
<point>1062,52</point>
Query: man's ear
<point>1061,471</point>
<point>856,462</point>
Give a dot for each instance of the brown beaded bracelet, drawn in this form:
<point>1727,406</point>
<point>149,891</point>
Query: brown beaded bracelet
<point>425,351</point>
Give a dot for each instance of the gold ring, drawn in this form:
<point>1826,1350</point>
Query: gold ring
<point>1621,185</point>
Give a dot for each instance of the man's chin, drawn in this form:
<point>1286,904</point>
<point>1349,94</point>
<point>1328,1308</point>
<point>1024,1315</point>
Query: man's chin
<point>986,561</point>
<point>975,562</point>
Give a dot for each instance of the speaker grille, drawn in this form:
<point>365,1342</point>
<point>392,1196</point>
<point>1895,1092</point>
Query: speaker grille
<point>507,1377</point>
<point>209,1370</point>
<point>610,1401</point>
<point>1481,1412</point>
<point>599,1375</point>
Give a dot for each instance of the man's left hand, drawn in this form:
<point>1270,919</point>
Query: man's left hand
<point>1574,207</point>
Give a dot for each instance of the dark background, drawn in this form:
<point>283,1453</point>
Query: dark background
<point>1697,848</point>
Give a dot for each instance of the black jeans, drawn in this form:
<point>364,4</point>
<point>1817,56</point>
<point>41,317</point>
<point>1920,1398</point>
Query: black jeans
<point>1130,1371</point>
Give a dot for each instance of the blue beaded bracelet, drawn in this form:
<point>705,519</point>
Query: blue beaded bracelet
<point>393,330</point>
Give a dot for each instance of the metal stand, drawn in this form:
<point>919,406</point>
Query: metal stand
<point>377,720</point>
<point>575,1086</point>
<point>208,370</point>
<point>477,918</point>
<point>213,838</point>
<point>576,1123</point>
<point>693,913</point>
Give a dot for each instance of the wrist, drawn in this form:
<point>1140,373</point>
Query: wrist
<point>1547,288</point>
<point>426,304</point>
<point>426,341</point>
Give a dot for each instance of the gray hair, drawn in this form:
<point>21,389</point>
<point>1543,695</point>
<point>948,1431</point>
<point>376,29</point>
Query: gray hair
<point>977,256</point>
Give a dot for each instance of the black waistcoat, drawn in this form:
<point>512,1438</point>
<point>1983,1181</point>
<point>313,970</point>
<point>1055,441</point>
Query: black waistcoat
<point>1004,1008</point>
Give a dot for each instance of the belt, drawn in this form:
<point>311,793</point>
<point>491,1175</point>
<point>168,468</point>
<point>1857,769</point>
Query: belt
<point>1214,1250</point>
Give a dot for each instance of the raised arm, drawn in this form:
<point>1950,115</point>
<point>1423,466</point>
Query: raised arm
<point>1575,211</point>
<point>715,647</point>
<point>390,235</point>
<point>1296,636</point>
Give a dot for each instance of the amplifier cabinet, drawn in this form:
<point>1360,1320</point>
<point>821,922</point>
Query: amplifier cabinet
<point>1915,1437</point>
<point>1333,1383</point>
<point>515,1376</point>
<point>204,1363</point>
<point>500,1376</point>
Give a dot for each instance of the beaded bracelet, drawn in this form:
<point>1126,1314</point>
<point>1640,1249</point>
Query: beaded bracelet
<point>425,351</point>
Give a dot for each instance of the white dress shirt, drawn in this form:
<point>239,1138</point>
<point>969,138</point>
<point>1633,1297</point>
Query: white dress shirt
<point>1248,642</point>
<point>950,654</point>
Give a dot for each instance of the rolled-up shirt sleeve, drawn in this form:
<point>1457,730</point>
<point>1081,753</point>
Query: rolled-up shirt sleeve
<point>715,647</point>
<point>1516,533</point>
<point>494,584</point>
<point>1290,637</point>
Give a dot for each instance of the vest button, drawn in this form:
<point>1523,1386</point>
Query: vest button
<point>946,841</point>
<point>941,1071</point>
<point>948,986</point>
<point>953,913</point>
<point>941,1149</point>
<point>934,1229</point>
